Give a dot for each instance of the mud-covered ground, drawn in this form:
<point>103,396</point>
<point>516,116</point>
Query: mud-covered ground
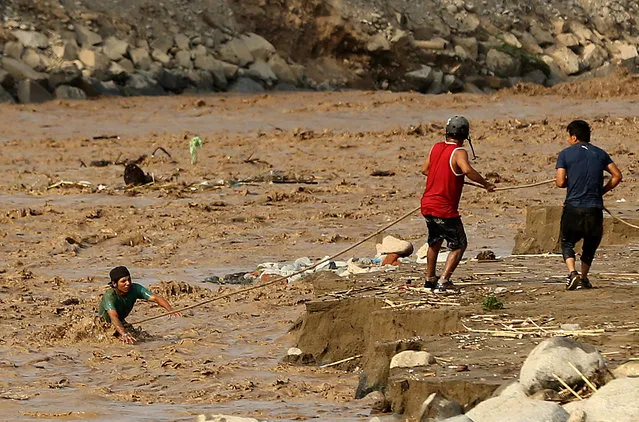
<point>224,214</point>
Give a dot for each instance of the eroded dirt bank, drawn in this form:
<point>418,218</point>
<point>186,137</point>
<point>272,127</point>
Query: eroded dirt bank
<point>58,244</point>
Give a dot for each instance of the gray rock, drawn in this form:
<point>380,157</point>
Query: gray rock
<point>115,49</point>
<point>199,50</point>
<point>568,40</point>
<point>140,58</point>
<point>95,88</point>
<point>5,97</point>
<point>437,86</point>
<point>582,32</point>
<point>411,359</point>
<point>202,80</point>
<point>160,57</point>
<point>141,84</point>
<point>593,56</point>
<point>420,79</point>
<point>13,49</point>
<point>437,408</point>
<point>67,74</point>
<point>246,86</point>
<point>32,39</point>
<point>529,43</point>
<point>214,66</point>
<point>469,44</point>
<point>225,418</point>
<point>119,73</point>
<point>70,93</point>
<point>376,401</point>
<point>535,77</point>
<point>127,65</point>
<point>552,356</point>
<point>577,416</point>
<point>261,71</point>
<point>173,80</point>
<point>230,70</point>
<point>511,39</point>
<point>183,58</point>
<point>19,70</point>
<point>544,38</point>
<point>566,60</point>
<point>163,43</point>
<point>282,70</point>
<point>86,38</point>
<point>30,91</point>
<point>460,418</point>
<point>502,64</point>
<point>34,60</point>
<point>624,50</point>
<point>628,369</point>
<point>182,41</point>
<point>512,390</point>
<point>236,51</point>
<point>68,50</point>
<point>284,86</point>
<point>94,60</point>
<point>510,409</point>
<point>258,47</point>
<point>615,401</point>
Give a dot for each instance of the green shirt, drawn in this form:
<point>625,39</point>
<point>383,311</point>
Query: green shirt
<point>123,305</point>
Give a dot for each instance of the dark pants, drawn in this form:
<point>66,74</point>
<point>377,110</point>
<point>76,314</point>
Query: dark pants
<point>449,229</point>
<point>581,223</point>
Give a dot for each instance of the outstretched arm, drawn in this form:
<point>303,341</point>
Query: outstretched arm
<point>163,303</point>
<point>125,337</point>
<point>460,160</point>
<point>615,179</point>
<point>426,166</point>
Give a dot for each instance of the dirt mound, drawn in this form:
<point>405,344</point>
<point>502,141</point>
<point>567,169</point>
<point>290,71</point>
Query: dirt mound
<point>619,84</point>
<point>178,289</point>
<point>541,234</point>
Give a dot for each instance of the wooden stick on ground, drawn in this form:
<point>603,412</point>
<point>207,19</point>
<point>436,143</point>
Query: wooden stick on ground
<point>341,361</point>
<point>562,382</point>
<point>583,377</point>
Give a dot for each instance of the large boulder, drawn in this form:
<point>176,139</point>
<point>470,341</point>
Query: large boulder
<point>34,60</point>
<point>70,93</point>
<point>258,47</point>
<point>19,70</point>
<point>86,38</point>
<point>32,39</point>
<point>511,409</point>
<point>566,60</point>
<point>623,50</point>
<point>615,401</point>
<point>628,369</point>
<point>141,84</point>
<point>173,80</point>
<point>246,86</point>
<point>552,357</point>
<point>544,38</point>
<point>236,51</point>
<point>13,49</point>
<point>529,43</point>
<point>421,79</point>
<point>30,91</point>
<point>140,58</point>
<point>66,50</point>
<point>411,359</point>
<point>261,71</point>
<point>282,70</point>
<point>67,74</point>
<point>437,407</point>
<point>114,48</point>
<point>183,59</point>
<point>593,56</point>
<point>502,64</point>
<point>94,60</point>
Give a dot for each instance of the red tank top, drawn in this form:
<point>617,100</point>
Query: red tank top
<point>443,186</point>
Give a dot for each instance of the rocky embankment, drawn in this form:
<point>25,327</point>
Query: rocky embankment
<point>62,49</point>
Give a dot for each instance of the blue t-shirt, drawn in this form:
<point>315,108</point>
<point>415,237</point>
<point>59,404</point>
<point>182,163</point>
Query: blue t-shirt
<point>584,164</point>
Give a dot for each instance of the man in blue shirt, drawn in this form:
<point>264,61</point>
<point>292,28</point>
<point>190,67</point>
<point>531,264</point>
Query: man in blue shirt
<point>580,168</point>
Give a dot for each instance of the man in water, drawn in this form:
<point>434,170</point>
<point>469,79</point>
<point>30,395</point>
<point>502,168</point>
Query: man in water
<point>118,301</point>
<point>580,168</point>
<point>445,169</point>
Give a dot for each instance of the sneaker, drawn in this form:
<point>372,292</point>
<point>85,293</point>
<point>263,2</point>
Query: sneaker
<point>585,283</point>
<point>574,280</point>
<point>446,287</point>
<point>431,282</point>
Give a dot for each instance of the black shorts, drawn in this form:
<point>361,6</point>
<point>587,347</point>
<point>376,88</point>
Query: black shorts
<point>581,223</point>
<point>449,229</point>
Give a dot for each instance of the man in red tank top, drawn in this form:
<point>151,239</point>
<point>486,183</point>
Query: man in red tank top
<point>445,169</point>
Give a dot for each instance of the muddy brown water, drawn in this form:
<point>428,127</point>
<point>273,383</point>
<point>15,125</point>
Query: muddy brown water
<point>224,357</point>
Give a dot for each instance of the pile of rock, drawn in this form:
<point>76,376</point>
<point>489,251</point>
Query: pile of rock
<point>536,396</point>
<point>80,63</point>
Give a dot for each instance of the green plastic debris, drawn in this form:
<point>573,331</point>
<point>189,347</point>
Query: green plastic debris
<point>195,144</point>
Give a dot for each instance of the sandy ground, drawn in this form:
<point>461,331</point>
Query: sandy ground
<point>223,215</point>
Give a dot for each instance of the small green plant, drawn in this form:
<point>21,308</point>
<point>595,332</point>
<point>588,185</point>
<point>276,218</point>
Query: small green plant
<point>491,303</point>
<point>195,144</point>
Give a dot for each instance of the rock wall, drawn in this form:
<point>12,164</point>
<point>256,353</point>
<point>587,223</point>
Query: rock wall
<point>78,49</point>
